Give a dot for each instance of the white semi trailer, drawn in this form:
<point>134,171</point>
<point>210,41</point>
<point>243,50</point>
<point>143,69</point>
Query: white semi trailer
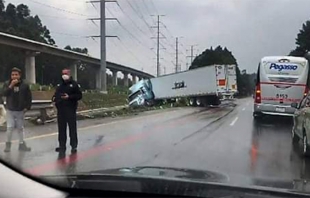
<point>203,86</point>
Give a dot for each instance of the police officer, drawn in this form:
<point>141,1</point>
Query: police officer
<point>66,99</point>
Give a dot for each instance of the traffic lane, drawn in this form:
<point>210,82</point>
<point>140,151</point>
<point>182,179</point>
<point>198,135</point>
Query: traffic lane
<point>241,148</point>
<point>220,146</point>
<point>143,149</point>
<point>50,129</point>
<point>224,140</point>
<point>95,137</point>
<point>271,149</point>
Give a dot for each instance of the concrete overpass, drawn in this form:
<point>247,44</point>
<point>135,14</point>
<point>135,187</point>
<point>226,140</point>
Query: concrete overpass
<point>32,48</point>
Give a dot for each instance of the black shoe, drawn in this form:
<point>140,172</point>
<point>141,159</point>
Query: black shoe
<point>7,147</point>
<point>23,147</point>
<point>61,155</point>
<point>60,149</point>
<point>73,150</point>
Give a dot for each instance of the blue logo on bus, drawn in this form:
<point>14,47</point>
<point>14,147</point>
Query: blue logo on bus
<point>283,67</point>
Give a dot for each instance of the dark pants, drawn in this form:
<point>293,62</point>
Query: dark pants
<point>67,115</point>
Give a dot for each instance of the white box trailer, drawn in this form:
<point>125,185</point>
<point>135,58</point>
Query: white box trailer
<point>203,86</point>
<point>231,82</point>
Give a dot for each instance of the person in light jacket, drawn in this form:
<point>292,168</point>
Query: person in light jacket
<point>18,101</point>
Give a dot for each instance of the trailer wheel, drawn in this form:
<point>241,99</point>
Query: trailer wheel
<point>192,102</point>
<point>199,102</point>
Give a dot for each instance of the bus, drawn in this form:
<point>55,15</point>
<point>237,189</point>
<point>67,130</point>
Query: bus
<point>281,81</point>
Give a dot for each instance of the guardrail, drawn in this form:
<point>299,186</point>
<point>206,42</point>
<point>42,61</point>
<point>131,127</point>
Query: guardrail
<point>39,108</point>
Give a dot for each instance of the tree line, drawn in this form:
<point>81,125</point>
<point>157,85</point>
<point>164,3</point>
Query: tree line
<point>302,41</point>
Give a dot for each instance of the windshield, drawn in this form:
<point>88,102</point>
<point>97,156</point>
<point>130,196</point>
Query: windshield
<point>165,89</point>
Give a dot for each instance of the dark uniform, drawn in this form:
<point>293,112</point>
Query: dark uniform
<point>66,112</point>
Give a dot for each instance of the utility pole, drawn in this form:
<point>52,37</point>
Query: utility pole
<point>192,54</point>
<point>176,54</point>
<point>101,83</point>
<point>158,45</point>
<point>177,65</point>
<point>158,49</point>
<point>103,51</point>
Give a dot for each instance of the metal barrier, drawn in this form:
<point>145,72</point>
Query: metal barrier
<point>38,108</point>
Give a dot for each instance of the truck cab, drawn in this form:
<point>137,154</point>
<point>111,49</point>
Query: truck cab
<point>140,93</point>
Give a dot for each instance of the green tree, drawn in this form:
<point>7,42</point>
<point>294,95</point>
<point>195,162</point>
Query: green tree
<point>302,41</point>
<point>17,20</point>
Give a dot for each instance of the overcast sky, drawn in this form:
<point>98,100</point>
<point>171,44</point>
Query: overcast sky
<point>250,29</point>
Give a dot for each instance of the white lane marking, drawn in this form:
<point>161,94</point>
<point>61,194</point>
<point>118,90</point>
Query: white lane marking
<point>243,109</point>
<point>234,121</point>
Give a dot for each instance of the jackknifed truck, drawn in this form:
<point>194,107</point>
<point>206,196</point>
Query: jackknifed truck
<point>203,86</point>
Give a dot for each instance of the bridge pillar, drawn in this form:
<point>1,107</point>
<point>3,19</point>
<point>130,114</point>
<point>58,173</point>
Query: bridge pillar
<point>30,67</point>
<point>98,78</point>
<point>73,69</point>
<point>114,77</point>
<point>125,79</point>
<point>134,79</point>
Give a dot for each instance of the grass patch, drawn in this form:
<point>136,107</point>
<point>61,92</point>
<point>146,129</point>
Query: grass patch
<point>99,100</point>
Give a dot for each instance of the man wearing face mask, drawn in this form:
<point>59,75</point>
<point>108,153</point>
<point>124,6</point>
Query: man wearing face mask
<point>66,99</point>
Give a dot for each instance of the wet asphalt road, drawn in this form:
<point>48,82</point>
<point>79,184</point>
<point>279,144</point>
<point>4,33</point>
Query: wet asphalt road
<point>225,140</point>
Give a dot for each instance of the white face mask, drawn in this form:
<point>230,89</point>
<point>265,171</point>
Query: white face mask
<point>65,77</point>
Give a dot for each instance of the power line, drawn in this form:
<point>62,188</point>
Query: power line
<point>137,7</point>
<point>65,18</point>
<point>132,21</point>
<point>94,7</point>
<point>57,17</point>
<point>141,17</point>
<point>133,36</point>
<point>143,33</point>
<point>146,7</point>
<point>56,8</point>
<point>170,45</point>
<point>148,10</point>
<point>140,8</point>
<point>128,49</point>
<point>154,6</point>
<point>77,1</point>
<point>66,34</point>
